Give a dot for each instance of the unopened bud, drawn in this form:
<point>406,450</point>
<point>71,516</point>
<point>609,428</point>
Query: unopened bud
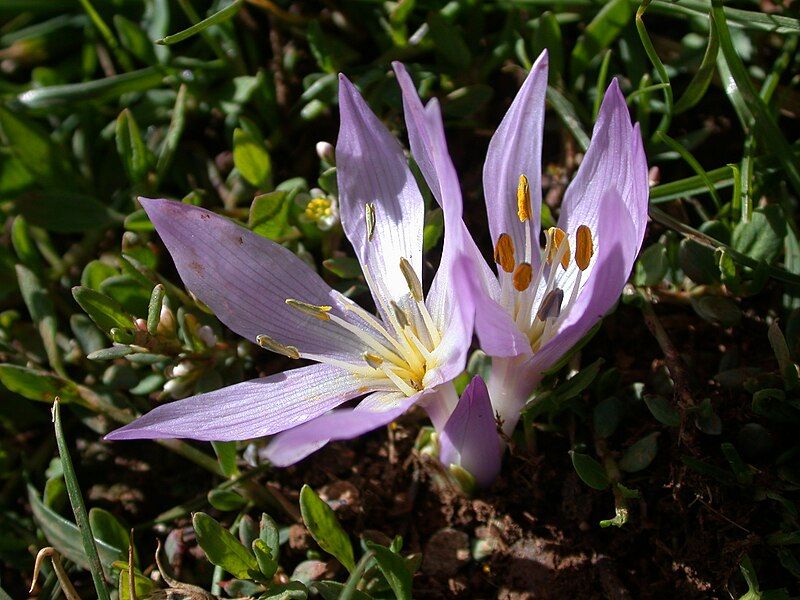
<point>207,336</point>
<point>326,153</point>
<point>166,323</point>
<point>182,368</point>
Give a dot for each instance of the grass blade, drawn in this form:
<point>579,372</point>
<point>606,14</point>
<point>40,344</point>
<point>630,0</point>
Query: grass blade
<point>79,508</point>
<point>218,17</point>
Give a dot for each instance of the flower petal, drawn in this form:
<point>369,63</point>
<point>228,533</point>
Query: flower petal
<point>372,169</point>
<point>470,437</point>
<point>245,279</point>
<point>429,146</point>
<point>250,409</point>
<point>516,149</point>
<point>614,161</point>
<point>344,424</point>
<point>618,244</point>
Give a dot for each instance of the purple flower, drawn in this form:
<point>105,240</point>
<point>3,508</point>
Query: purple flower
<point>407,354</point>
<point>542,300</point>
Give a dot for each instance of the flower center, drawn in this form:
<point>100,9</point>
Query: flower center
<point>535,300</point>
<point>400,345</point>
<point>318,208</point>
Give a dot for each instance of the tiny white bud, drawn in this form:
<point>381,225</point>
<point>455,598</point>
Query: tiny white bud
<point>326,153</point>
<point>207,335</point>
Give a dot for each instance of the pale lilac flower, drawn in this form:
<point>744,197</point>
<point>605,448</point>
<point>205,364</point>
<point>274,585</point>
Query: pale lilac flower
<point>408,354</point>
<point>542,301</point>
<point>469,439</point>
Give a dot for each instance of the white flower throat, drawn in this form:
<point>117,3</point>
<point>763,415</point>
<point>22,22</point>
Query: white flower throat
<point>520,287</point>
<point>400,353</point>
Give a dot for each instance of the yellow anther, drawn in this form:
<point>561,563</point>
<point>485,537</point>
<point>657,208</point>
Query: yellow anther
<point>373,360</point>
<point>369,216</point>
<point>522,277</point>
<point>504,252</point>
<point>550,307</point>
<point>558,237</point>
<point>413,282</point>
<point>523,199</point>
<point>399,314</point>
<point>312,310</point>
<point>268,343</point>
<point>584,249</point>
<point>317,208</point>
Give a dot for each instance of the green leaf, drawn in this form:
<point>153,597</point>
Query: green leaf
<point>697,262</point>
<point>702,78</point>
<point>548,36</point>
<point>222,549</point>
<point>576,384</point>
<point>104,311</point>
<point>64,536</point>
<point>38,385</point>
<point>65,212</point>
<point>604,28</point>
<point>343,266</point>
<point>226,455</point>
<point>783,355</point>
<point>131,147</point>
<point>24,245</point>
<point>332,590</point>
<point>134,39</point>
<point>433,229</point>
<point>321,522</point>
<point>331,54</point>
<point>394,569</point>
<point>448,42</point>
<point>268,532</point>
<point>590,471</point>
<point>218,17</point>
<point>641,454</point>
<point>662,410</point>
<point>143,586</point>
<point>717,309</point>
<point>108,529</point>
<point>269,215</point>
<point>79,509</point>
<point>267,562</point>
<point>40,307</point>
<point>652,266</point>
<point>761,238</point>
<point>606,416</point>
<point>173,137</point>
<point>30,144</point>
<point>252,159</point>
<point>225,500</point>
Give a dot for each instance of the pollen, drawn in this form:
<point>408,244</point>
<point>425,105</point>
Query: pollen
<point>522,277</point>
<point>523,199</point>
<point>369,217</point>
<point>268,343</point>
<point>413,282</point>
<point>312,310</point>
<point>551,305</point>
<point>559,237</point>
<point>318,208</point>
<point>584,250</point>
<point>504,252</point>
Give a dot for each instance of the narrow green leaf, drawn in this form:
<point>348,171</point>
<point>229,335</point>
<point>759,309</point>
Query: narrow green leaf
<point>104,311</point>
<point>24,245</point>
<point>131,147</point>
<point>705,73</point>
<point>218,17</point>
<point>79,509</point>
<point>599,34</point>
<point>174,133</point>
<point>40,307</point>
<point>222,549</point>
<point>324,527</point>
<point>267,563</point>
<point>154,308</point>
<point>268,531</point>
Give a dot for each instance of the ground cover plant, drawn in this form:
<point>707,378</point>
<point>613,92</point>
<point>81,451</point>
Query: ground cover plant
<point>657,455</point>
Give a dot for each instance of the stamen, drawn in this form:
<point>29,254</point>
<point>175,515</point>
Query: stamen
<point>550,307</point>
<point>373,360</point>
<point>398,381</point>
<point>318,312</point>
<point>559,237</point>
<point>523,199</point>
<point>504,252</point>
<point>522,276</point>
<point>268,343</point>
<point>584,250</point>
<point>413,282</point>
<point>400,315</point>
<point>369,215</point>
<point>360,371</point>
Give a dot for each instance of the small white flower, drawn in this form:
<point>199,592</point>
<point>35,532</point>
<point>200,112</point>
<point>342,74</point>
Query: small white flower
<point>319,208</point>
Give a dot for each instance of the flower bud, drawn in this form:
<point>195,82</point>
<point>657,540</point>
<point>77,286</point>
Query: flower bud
<point>166,323</point>
<point>326,153</point>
